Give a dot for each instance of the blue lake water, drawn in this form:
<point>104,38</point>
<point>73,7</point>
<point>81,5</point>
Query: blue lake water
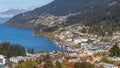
<point>25,38</point>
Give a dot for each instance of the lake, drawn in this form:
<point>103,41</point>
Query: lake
<point>25,38</point>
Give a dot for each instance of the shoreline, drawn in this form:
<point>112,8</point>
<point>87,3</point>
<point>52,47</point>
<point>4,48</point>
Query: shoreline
<point>32,34</point>
<point>61,46</point>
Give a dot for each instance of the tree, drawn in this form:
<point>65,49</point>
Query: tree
<point>58,65</point>
<point>83,65</point>
<point>84,30</point>
<point>105,57</point>
<point>90,41</point>
<point>46,57</point>
<point>48,61</point>
<point>68,57</point>
<point>31,51</point>
<point>9,49</point>
<point>21,65</point>
<point>48,64</point>
<point>28,64</point>
<point>115,50</point>
<point>38,61</point>
<point>76,46</point>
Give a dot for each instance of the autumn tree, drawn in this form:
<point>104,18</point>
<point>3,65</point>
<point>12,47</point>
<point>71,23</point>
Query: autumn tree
<point>58,64</point>
<point>83,65</point>
<point>48,62</point>
<point>28,64</point>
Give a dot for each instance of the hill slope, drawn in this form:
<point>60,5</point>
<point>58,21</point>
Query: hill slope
<point>101,20</point>
<point>58,8</point>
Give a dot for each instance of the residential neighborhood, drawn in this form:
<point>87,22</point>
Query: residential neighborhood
<point>77,47</point>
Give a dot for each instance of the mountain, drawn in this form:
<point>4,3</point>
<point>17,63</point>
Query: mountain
<point>100,16</point>
<point>100,21</point>
<point>11,12</point>
<point>4,19</point>
<point>97,15</point>
<point>58,8</point>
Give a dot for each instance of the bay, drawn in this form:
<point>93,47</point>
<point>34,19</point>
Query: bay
<point>25,38</point>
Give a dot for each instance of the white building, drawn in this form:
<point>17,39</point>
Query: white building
<point>2,60</point>
<point>115,59</point>
<point>106,65</point>
<point>84,40</point>
<point>17,59</point>
<point>77,41</point>
<point>73,60</point>
<point>68,40</point>
<point>73,54</point>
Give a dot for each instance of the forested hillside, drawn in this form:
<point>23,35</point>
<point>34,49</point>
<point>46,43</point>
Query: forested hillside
<point>57,8</point>
<point>101,20</point>
<point>103,16</point>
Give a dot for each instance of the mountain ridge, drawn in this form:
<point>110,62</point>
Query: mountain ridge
<point>59,8</point>
<point>104,19</point>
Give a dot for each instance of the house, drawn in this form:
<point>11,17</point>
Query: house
<point>115,58</point>
<point>2,61</point>
<point>17,59</point>
<point>106,65</point>
<point>73,60</point>
<point>77,41</point>
<point>73,54</point>
<point>84,40</point>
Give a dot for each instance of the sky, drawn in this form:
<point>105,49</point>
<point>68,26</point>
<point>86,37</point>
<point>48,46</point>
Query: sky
<point>22,4</point>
